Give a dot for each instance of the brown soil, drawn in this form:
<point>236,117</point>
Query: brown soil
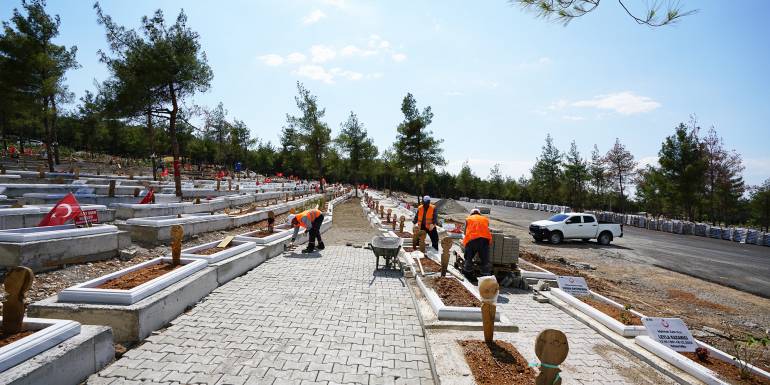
<point>350,225</point>
<point>727,371</point>
<point>403,234</point>
<point>213,250</point>
<point>497,363</point>
<point>429,265</point>
<point>138,277</point>
<point>260,234</point>
<point>452,292</point>
<point>613,312</point>
<point>6,339</point>
<point>687,297</point>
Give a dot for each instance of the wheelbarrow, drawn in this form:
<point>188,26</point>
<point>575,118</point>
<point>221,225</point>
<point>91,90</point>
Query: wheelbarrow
<point>386,247</point>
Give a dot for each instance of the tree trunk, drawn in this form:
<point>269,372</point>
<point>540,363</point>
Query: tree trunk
<point>174,142</point>
<point>55,133</point>
<point>48,137</point>
<point>151,132</point>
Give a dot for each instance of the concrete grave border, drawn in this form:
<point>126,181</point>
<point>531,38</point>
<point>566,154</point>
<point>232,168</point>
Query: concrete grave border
<point>693,368</point>
<point>48,333</point>
<point>31,234</point>
<point>87,293</point>
<point>611,323</point>
<point>239,247</point>
<point>452,313</point>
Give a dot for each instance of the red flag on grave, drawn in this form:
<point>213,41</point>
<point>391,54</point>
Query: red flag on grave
<point>64,210</point>
<point>164,172</point>
<point>279,174</point>
<point>148,198</point>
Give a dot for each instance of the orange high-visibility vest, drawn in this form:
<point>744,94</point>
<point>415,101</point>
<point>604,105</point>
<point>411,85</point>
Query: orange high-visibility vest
<point>421,211</point>
<point>476,226</point>
<point>311,215</point>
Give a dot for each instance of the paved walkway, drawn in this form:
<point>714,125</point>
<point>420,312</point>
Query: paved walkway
<point>293,320</point>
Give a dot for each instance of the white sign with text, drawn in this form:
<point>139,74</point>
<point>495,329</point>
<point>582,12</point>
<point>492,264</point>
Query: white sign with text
<point>671,332</point>
<point>575,286</point>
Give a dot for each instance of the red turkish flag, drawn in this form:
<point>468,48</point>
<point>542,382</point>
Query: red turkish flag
<point>268,180</point>
<point>164,172</point>
<point>64,210</point>
<point>147,198</point>
<point>279,174</point>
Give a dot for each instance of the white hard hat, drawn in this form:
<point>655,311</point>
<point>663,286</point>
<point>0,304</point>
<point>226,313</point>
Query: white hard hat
<point>426,198</point>
<point>290,218</point>
<point>475,211</point>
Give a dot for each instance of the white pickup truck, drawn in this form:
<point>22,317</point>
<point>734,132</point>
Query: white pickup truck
<point>575,226</point>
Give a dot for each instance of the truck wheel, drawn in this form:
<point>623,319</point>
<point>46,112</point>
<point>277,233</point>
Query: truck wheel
<point>555,238</point>
<point>537,240</point>
<point>605,238</point>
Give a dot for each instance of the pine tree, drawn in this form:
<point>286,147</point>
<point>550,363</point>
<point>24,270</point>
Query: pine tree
<point>355,142</point>
<point>575,175</point>
<point>313,134</point>
<point>546,173</point>
<point>598,173</point>
<point>683,167</point>
<point>620,169</point>
<point>723,183</point>
<point>416,148</point>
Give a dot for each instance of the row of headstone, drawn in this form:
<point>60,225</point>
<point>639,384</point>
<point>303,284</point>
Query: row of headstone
<point>520,205</point>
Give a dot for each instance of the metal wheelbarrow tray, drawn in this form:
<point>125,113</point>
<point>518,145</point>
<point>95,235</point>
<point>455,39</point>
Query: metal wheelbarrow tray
<point>388,248</point>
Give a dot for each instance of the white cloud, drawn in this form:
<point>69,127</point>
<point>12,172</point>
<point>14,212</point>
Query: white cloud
<point>315,72</point>
<point>335,3</point>
<point>322,53</point>
<point>399,57</point>
<point>313,17</point>
<point>574,118</point>
<point>350,50</point>
<point>350,75</point>
<point>535,64</point>
<point>626,103</point>
<point>295,57</point>
<point>558,105</point>
<point>271,59</point>
<point>643,162</point>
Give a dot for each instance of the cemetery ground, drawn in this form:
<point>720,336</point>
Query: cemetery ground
<point>330,317</point>
<point>712,311</point>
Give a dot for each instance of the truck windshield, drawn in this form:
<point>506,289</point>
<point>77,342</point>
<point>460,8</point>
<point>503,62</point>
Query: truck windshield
<point>558,217</point>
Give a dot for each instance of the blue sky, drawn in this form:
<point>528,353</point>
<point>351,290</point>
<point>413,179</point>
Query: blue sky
<point>498,78</point>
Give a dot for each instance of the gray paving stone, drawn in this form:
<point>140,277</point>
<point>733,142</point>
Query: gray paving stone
<point>291,320</point>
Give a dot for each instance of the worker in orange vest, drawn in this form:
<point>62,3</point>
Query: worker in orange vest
<point>476,241</point>
<point>427,217</point>
<point>311,220</point>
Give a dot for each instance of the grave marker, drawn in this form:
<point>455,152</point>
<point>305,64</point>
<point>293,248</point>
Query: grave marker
<point>177,232</point>
<point>488,291</point>
<point>575,286</point>
<point>111,188</point>
<point>671,332</point>
<point>401,224</point>
<point>551,348</point>
<point>225,242</point>
<point>446,245</point>
<point>17,282</point>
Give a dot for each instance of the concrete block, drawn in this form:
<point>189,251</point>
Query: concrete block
<point>69,363</point>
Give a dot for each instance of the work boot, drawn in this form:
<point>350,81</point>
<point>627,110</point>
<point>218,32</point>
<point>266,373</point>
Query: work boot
<point>309,249</point>
<point>321,246</point>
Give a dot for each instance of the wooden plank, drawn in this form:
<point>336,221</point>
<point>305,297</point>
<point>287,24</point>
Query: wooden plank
<point>225,242</point>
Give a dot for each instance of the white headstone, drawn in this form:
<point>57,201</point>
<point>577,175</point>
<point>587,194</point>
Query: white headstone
<point>575,286</point>
<point>671,332</point>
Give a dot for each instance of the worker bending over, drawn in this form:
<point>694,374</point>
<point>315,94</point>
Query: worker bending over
<point>427,217</point>
<point>477,239</point>
<point>311,220</point>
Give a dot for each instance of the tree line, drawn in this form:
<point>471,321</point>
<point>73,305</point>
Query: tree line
<point>141,111</point>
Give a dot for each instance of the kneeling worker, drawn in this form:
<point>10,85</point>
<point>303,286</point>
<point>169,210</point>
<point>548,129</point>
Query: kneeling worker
<point>477,240</point>
<point>427,216</point>
<point>311,220</point>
